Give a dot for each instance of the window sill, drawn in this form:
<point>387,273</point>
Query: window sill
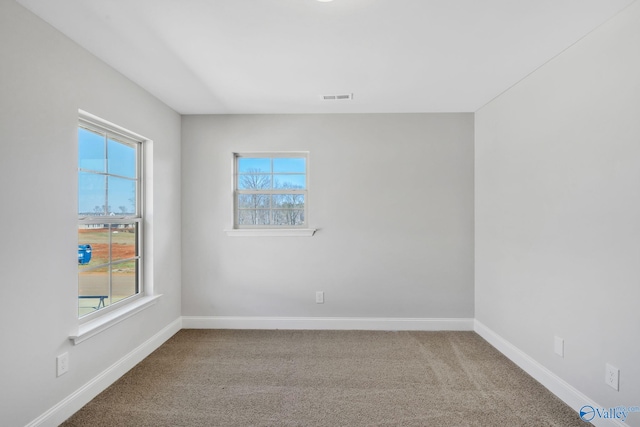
<point>102,323</point>
<point>271,232</point>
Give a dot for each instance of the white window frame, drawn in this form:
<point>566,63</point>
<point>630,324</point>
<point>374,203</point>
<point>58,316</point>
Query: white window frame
<point>102,319</point>
<point>267,229</point>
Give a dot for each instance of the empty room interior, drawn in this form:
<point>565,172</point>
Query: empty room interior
<point>356,170</point>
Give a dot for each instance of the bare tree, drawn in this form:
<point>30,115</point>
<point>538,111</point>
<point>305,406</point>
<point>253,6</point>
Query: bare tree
<point>253,205</point>
<point>260,209</point>
<point>289,207</point>
<point>255,179</point>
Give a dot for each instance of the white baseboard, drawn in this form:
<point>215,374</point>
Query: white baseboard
<point>72,403</point>
<point>327,323</point>
<point>563,390</point>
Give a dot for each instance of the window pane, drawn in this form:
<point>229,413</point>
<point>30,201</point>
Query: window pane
<point>253,201</point>
<point>93,290</point>
<point>288,217</point>
<point>254,182</point>
<point>92,194</point>
<point>123,243</point>
<point>91,150</point>
<point>288,201</point>
<point>253,217</point>
<point>296,181</point>
<point>279,183</point>
<point>290,165</point>
<point>251,165</point>
<point>124,280</point>
<point>122,196</point>
<point>121,159</point>
<point>108,254</point>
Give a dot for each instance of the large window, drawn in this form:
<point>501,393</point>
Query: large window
<point>270,190</point>
<point>109,216</point>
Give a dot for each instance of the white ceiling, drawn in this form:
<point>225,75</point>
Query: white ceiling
<point>279,56</point>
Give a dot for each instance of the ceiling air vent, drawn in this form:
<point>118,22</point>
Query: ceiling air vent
<point>344,97</point>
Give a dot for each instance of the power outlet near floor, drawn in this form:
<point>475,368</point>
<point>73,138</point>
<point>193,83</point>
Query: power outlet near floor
<point>612,377</point>
<point>319,297</point>
<point>62,364</point>
<point>558,346</point>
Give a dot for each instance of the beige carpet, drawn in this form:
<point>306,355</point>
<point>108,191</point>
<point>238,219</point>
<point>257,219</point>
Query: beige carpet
<point>325,378</point>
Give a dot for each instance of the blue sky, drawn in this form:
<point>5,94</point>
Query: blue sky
<point>107,176</point>
<point>285,170</point>
<point>280,165</point>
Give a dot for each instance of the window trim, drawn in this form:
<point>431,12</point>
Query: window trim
<point>99,320</point>
<point>269,230</point>
<point>103,322</point>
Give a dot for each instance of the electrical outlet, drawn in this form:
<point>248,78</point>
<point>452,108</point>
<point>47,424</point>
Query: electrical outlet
<point>62,364</point>
<point>559,346</point>
<point>319,297</point>
<point>612,376</point>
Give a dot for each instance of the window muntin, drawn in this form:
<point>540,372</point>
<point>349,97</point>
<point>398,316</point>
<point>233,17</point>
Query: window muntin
<point>109,217</point>
<point>270,190</point>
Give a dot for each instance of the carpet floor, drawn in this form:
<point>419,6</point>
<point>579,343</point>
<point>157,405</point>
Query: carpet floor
<point>325,378</point>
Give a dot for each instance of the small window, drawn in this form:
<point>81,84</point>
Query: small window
<point>270,190</point>
<point>109,216</point>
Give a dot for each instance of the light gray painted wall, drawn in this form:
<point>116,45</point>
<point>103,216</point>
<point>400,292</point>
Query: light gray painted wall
<point>44,79</point>
<point>557,177</point>
<point>391,195</point>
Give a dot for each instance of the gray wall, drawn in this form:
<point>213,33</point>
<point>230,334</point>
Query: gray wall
<point>391,195</point>
<point>44,79</point>
<point>558,212</point>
